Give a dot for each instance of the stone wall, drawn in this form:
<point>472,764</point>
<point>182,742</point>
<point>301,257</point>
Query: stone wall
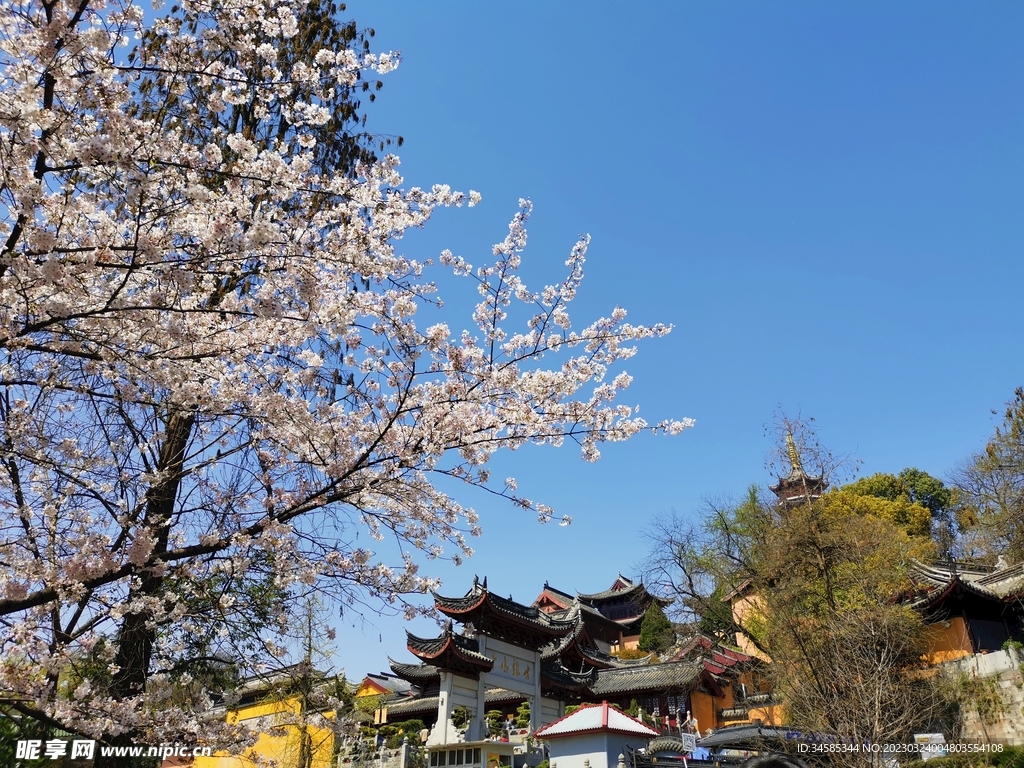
<point>993,684</point>
<point>405,756</point>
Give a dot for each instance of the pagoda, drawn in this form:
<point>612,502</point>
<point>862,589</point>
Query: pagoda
<point>797,487</point>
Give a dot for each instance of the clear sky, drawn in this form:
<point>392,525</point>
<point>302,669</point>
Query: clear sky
<point>825,199</point>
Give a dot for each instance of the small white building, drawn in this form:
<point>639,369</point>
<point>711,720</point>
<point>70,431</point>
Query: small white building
<point>593,737</point>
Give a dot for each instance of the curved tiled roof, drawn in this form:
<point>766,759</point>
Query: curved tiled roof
<point>673,675</point>
<point>413,706</point>
<point>701,646</point>
<point>429,703</point>
<point>479,596</point>
<point>579,641</point>
<point>557,676</point>
<point>933,583</point>
<point>587,613</point>
<point>600,658</point>
<point>560,645</point>
<point>1006,582</point>
<point>504,617</point>
<point>636,591</point>
<point>449,651</point>
<point>414,673</point>
<point>557,596</point>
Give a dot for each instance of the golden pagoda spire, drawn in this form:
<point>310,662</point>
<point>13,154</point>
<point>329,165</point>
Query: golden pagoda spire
<point>794,457</point>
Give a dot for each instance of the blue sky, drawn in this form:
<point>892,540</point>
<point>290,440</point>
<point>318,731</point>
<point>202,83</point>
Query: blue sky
<point>823,198</point>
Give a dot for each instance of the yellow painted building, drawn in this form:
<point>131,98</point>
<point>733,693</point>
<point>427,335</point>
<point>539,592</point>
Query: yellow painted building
<point>284,739</point>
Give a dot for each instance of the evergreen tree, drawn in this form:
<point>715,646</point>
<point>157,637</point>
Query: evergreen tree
<point>656,633</point>
<point>523,715</point>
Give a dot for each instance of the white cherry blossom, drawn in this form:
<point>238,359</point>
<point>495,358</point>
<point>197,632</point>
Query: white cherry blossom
<point>214,378</point>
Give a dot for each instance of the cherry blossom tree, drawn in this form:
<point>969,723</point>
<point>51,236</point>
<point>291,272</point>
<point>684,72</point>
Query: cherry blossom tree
<point>213,378</point>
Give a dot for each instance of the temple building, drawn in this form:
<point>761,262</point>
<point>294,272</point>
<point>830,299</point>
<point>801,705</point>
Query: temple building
<point>613,617</point>
<point>559,651</point>
<point>383,686</point>
<point>968,608</point>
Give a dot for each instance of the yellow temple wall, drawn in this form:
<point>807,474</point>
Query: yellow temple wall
<point>283,748</point>
<point>369,688</point>
<point>768,715</point>
<point>947,640</point>
<point>629,642</point>
<point>745,609</point>
<point>703,707</point>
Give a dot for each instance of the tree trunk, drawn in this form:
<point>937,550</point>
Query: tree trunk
<point>137,633</point>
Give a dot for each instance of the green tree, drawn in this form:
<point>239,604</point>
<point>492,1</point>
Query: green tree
<point>495,720</point>
<point>912,490</point>
<point>656,632</point>
<point>13,727</point>
<point>913,518</point>
<point>911,484</point>
<point>992,485</point>
<point>311,703</point>
<point>461,715</point>
<point>522,719</point>
<point>407,730</point>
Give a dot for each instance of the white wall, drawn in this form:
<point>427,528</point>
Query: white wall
<point>601,749</point>
<point>571,751</point>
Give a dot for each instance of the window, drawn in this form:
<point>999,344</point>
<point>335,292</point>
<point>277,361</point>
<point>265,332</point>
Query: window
<point>649,704</point>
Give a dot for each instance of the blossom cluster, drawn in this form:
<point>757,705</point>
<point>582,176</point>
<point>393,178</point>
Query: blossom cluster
<point>212,376</point>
